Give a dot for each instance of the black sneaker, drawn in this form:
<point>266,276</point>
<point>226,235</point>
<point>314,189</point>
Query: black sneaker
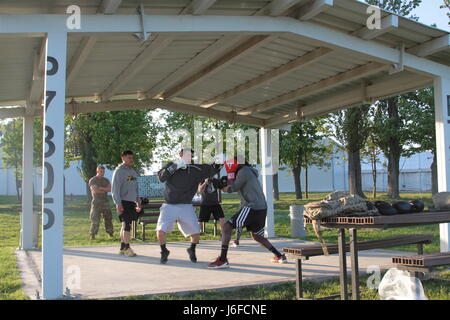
<point>164,256</point>
<point>192,255</point>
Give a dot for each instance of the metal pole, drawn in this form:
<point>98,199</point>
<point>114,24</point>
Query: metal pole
<point>354,260</point>
<point>342,265</point>
<point>299,282</point>
<point>27,230</point>
<point>442,110</point>
<point>268,155</point>
<point>53,167</point>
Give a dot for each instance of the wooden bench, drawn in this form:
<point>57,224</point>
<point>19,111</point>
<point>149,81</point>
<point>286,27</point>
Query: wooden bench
<point>150,216</point>
<point>203,226</point>
<point>423,262</point>
<point>305,252</point>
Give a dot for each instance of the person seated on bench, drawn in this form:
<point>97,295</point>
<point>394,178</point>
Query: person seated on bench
<point>210,200</point>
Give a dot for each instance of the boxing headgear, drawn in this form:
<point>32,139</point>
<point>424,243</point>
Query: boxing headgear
<point>231,166</point>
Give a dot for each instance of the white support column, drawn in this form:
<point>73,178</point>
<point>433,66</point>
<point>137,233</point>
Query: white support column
<point>442,109</point>
<point>27,217</point>
<point>53,166</point>
<point>269,164</point>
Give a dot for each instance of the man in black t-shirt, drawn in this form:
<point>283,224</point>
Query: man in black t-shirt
<point>210,203</point>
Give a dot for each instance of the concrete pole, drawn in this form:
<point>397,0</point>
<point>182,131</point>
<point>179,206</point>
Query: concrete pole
<point>442,109</point>
<point>26,230</point>
<point>53,167</point>
<point>269,164</point>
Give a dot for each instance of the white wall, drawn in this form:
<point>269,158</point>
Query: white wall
<point>415,176</point>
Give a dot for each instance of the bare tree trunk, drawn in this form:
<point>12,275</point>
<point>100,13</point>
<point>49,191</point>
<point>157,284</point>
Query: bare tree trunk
<point>393,176</point>
<point>395,151</point>
<point>306,182</point>
<point>88,192</point>
<point>374,176</point>
<point>276,192</point>
<point>297,182</point>
<point>434,175</point>
<point>18,185</point>
<point>354,173</point>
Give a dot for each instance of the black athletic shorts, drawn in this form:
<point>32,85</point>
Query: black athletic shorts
<point>129,213</point>
<point>206,211</point>
<point>253,220</point>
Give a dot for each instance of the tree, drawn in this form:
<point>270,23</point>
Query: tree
<point>11,143</point>
<point>420,117</point>
<point>302,147</point>
<point>100,138</point>
<point>350,129</point>
<point>371,151</point>
<point>392,133</point>
<point>446,5</point>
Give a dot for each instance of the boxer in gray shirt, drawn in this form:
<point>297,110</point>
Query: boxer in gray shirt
<point>126,197</point>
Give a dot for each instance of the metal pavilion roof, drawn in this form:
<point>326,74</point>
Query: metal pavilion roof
<point>267,78</point>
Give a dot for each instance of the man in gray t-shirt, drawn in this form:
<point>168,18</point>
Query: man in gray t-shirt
<point>126,197</point>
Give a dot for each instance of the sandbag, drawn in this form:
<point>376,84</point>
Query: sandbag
<point>385,208</point>
<point>441,201</point>
<point>337,203</point>
<point>417,205</point>
<point>403,207</point>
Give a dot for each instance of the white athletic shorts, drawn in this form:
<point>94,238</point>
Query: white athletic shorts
<point>183,214</point>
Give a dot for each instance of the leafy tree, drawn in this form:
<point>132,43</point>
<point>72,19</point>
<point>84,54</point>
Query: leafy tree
<point>371,151</point>
<point>446,5</point>
<point>11,144</point>
<point>302,147</point>
<point>100,138</point>
<point>420,117</point>
<point>350,128</point>
<point>391,130</point>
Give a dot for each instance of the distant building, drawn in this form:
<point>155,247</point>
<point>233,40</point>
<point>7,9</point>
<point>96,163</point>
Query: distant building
<point>415,175</point>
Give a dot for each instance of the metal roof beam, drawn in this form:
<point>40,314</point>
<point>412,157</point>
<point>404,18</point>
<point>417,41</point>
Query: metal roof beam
<point>353,97</point>
<point>314,8</point>
<point>294,65</point>
<point>118,105</point>
<point>388,23</point>
<point>152,50</point>
<point>12,112</point>
<point>344,77</point>
<point>215,49</point>
<point>32,24</point>
<point>200,6</point>
<point>36,94</point>
<point>109,6</point>
<point>80,56</point>
<point>88,43</point>
<point>431,47</point>
<point>244,48</point>
<point>279,7</point>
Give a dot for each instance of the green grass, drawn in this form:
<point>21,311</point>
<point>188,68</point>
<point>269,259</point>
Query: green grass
<point>434,290</point>
<point>77,224</point>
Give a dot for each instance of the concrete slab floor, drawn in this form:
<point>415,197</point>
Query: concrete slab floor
<point>100,272</point>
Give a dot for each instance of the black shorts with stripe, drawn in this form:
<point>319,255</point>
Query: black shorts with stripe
<point>206,212</point>
<point>253,220</point>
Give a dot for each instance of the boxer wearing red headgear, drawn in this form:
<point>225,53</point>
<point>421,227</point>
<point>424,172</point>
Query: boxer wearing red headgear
<point>252,213</point>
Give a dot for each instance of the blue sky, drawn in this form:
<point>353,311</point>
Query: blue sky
<point>429,13</point>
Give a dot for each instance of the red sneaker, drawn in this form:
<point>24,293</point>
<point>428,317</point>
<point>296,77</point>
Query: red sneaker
<point>235,244</point>
<point>219,264</point>
<point>281,259</point>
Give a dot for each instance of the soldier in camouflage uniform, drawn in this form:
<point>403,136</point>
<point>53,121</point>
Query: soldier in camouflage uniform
<point>100,186</point>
